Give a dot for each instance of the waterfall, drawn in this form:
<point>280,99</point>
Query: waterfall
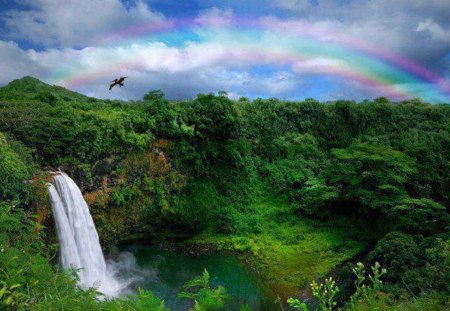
<point>78,239</point>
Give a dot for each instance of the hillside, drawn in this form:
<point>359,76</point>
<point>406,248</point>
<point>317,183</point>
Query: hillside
<point>32,88</point>
<point>295,189</point>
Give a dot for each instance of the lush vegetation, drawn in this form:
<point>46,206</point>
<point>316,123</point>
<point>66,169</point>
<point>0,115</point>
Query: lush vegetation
<point>296,188</point>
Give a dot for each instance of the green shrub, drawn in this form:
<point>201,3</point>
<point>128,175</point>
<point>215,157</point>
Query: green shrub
<point>13,173</point>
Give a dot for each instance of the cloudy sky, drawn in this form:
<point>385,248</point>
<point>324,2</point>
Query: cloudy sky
<point>290,49</point>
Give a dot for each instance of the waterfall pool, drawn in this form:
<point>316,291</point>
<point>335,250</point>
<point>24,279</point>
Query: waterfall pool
<point>164,273</point>
<point>142,266</point>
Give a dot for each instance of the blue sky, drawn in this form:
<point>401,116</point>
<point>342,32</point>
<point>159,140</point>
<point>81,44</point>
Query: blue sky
<point>73,44</point>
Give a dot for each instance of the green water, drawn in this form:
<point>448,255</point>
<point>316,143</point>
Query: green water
<point>165,272</point>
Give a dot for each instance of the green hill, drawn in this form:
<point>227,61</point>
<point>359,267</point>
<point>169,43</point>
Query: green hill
<point>31,88</point>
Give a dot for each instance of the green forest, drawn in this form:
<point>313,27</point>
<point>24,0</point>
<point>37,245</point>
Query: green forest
<point>345,202</point>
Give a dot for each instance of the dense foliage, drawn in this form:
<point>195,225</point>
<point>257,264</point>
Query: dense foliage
<point>156,169</point>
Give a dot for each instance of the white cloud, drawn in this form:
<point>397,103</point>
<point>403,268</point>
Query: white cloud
<point>75,22</point>
<point>16,63</point>
<point>215,17</point>
<point>435,30</point>
<point>318,65</point>
<point>390,24</point>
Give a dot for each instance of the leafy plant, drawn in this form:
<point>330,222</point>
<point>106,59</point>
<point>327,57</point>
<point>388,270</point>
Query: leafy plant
<point>325,294</point>
<point>362,290</point>
<point>205,298</point>
<point>10,294</point>
<point>297,304</point>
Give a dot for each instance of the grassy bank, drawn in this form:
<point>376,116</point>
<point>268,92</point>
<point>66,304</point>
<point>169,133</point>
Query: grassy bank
<point>288,252</point>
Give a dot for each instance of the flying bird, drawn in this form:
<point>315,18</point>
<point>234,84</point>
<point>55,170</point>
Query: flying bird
<point>117,82</point>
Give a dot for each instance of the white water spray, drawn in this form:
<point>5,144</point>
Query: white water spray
<point>78,239</point>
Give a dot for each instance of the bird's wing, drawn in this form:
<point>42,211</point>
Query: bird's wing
<point>111,86</point>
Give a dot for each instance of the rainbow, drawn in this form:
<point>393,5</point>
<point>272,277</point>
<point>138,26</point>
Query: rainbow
<point>266,41</point>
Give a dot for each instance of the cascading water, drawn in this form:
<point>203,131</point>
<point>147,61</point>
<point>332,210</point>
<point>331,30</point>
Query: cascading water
<point>78,239</point>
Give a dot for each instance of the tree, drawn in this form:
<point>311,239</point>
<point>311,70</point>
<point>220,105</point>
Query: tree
<point>372,177</point>
<point>399,253</point>
<point>154,95</point>
<point>222,94</point>
<point>420,215</point>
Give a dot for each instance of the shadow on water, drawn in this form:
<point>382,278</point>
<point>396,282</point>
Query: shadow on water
<point>164,273</point>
